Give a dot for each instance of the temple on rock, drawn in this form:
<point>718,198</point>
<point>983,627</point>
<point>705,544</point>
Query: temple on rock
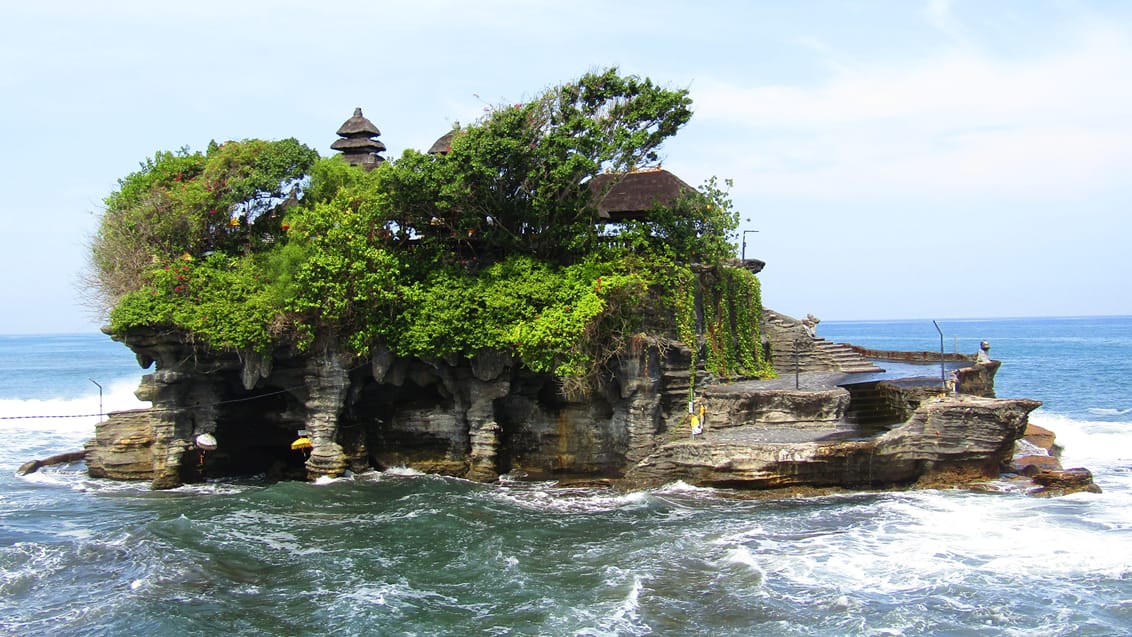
<point>828,421</point>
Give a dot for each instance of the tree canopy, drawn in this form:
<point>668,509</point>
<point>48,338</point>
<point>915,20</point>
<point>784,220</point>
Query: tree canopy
<point>492,244</point>
<point>187,204</point>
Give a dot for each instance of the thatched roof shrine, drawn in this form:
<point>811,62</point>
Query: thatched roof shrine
<point>623,196</point>
<point>357,143</point>
<point>443,145</point>
<point>632,195</point>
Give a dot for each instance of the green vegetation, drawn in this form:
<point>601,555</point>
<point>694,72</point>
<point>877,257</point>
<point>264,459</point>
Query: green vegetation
<point>493,245</point>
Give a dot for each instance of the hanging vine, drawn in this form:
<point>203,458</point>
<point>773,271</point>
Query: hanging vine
<point>683,286</point>
<point>732,307</point>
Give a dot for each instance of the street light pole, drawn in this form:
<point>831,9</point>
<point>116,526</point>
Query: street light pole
<point>942,365</point>
<point>743,252</point>
<point>99,398</point>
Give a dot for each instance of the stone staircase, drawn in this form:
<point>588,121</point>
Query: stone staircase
<point>841,357</point>
<point>786,334</point>
<point>675,379</point>
<point>868,406</point>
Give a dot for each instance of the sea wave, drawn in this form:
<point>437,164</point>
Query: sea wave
<point>901,546</point>
<point>1107,411</point>
<point>116,395</point>
<point>545,496</point>
<point>62,413</point>
<point>36,428</point>
<point>682,487</point>
<point>1102,442</point>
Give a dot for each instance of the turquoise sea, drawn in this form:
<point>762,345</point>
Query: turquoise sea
<point>398,553</point>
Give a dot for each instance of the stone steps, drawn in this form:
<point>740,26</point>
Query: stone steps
<point>815,354</point>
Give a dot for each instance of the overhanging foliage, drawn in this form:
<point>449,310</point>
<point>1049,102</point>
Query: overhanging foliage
<point>492,245</point>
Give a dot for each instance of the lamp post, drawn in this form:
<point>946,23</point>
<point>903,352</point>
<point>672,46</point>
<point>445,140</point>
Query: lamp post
<point>743,252</point>
<point>99,398</point>
<point>942,365</point>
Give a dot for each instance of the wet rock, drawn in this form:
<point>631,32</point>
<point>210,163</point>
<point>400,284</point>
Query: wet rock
<point>744,404</point>
<point>482,417</point>
<point>1041,437</point>
<point>978,379</point>
<point>62,458</point>
<point>1032,465</point>
<point>327,381</point>
<point>122,448</point>
<point>1055,483</point>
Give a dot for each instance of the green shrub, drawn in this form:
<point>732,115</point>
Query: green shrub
<point>256,244</point>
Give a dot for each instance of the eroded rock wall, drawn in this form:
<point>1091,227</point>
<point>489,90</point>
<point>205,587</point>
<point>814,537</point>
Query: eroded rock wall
<point>474,418</point>
<point>482,417</point>
<point>122,448</point>
<point>953,439</point>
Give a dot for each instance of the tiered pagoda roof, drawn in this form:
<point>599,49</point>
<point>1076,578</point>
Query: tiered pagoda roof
<point>357,143</point>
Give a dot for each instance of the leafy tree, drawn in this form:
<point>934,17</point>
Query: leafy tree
<point>516,180</point>
<point>188,204</point>
<point>699,227</point>
<point>491,246</point>
<point>336,270</point>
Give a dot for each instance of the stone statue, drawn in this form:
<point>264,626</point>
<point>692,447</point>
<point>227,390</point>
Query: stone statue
<point>811,325</point>
<point>983,355</point>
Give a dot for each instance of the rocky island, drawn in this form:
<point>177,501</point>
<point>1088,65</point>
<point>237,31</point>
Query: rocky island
<point>523,300</point>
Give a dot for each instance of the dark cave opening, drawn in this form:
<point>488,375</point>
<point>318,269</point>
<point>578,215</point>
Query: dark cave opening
<point>394,422</point>
<point>254,433</point>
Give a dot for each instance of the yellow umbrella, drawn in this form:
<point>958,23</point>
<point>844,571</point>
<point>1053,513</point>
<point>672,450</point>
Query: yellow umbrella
<point>301,443</point>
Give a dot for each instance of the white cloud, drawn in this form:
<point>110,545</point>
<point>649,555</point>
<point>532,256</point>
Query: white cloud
<point>960,123</point>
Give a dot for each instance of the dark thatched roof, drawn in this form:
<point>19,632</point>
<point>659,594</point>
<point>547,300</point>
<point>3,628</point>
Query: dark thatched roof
<point>357,126</point>
<point>631,195</point>
<point>444,144</point>
<point>358,144</point>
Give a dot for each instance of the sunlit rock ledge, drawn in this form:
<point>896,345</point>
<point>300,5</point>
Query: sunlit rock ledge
<point>837,425</point>
<point>964,438</point>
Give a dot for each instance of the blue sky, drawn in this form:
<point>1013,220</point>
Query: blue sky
<point>899,158</point>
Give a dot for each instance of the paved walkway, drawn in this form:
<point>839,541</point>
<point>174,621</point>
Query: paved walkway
<point>788,434</point>
<point>782,434</point>
<point>807,381</point>
<point>820,381</point>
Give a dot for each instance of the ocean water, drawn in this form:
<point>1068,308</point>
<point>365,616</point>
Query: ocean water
<point>398,553</point>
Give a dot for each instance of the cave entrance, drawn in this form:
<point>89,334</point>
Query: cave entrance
<point>398,425</point>
<point>254,435</point>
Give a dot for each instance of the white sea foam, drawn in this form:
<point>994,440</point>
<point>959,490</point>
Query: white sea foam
<point>54,478</point>
<point>1090,443</point>
<point>38,428</point>
<point>742,555</point>
<point>617,616</point>
<point>683,487</point>
<point>1105,411</point>
<point>1024,448</point>
<point>546,497</point>
<point>402,471</point>
<point>222,486</point>
<point>921,541</point>
<point>627,611</point>
<point>269,531</point>
<point>118,395</point>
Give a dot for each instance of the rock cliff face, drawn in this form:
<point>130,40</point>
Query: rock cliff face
<point>949,438</point>
<point>484,417</point>
<point>473,418</point>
